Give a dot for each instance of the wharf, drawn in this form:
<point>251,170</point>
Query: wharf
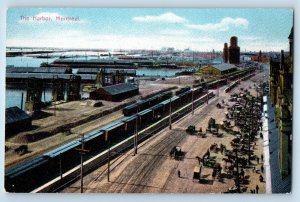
<point>22,74</point>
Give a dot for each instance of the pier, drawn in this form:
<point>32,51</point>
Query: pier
<point>20,75</point>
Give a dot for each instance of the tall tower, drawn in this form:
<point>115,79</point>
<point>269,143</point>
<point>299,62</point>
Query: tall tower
<point>234,51</point>
<point>225,53</point>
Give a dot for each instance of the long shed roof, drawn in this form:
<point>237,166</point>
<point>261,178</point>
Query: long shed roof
<point>224,66</point>
<point>15,114</point>
<point>120,88</point>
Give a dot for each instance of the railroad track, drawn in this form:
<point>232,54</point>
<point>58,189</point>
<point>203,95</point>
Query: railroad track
<point>141,170</point>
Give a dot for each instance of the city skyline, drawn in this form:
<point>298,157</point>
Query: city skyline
<point>109,28</point>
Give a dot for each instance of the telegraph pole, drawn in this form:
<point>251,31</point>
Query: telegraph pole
<point>108,162</point>
<point>81,163</point>
<point>81,152</point>
<point>170,115</point>
<point>207,95</point>
<point>192,102</point>
<point>136,134</point>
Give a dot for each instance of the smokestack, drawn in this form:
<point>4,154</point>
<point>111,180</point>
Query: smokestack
<point>234,51</point>
<point>233,41</point>
<point>225,53</point>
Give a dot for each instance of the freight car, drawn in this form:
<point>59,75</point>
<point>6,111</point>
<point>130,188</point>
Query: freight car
<point>16,179</point>
<point>182,90</point>
<point>217,83</point>
<point>146,103</point>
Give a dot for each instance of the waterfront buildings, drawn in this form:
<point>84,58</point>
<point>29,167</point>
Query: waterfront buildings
<point>16,120</point>
<point>218,69</point>
<point>115,93</point>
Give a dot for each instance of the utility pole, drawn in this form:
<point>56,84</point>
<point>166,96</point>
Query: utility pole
<point>135,134</point>
<point>207,95</point>
<point>170,114</point>
<point>108,162</point>
<point>81,163</point>
<point>192,102</point>
<point>81,152</point>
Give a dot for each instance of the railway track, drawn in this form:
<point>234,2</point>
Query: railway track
<point>141,170</point>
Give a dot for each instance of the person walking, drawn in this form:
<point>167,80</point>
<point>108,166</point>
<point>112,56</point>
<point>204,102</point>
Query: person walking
<point>214,173</point>
<point>178,173</point>
<point>261,178</point>
<point>262,168</point>
<point>256,189</point>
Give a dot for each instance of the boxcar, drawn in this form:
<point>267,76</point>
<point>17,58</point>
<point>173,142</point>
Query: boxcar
<point>22,177</point>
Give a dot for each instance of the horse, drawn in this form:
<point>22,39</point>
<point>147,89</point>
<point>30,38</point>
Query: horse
<point>200,160</point>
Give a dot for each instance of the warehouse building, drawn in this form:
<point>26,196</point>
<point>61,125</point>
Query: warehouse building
<point>115,93</point>
<point>16,120</point>
<point>218,69</point>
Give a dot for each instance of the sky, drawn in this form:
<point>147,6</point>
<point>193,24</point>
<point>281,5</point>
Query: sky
<point>149,28</point>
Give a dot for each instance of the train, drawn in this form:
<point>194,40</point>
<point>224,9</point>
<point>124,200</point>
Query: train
<point>216,83</point>
<point>146,103</point>
<point>33,173</point>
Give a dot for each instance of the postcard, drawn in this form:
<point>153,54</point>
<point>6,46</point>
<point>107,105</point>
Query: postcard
<point>149,100</point>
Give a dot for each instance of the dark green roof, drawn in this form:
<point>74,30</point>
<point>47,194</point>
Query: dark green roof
<point>224,66</point>
<point>120,88</point>
<point>15,114</point>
